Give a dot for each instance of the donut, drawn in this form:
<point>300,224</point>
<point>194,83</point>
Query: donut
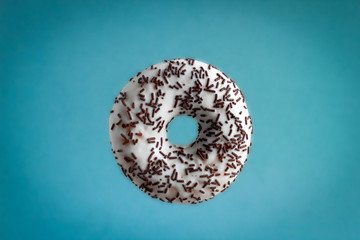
<point>186,174</point>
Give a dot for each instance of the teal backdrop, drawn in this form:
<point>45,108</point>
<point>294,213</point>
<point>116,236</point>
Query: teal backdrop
<point>63,62</point>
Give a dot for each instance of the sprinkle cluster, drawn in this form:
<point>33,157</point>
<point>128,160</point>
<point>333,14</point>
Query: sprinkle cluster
<point>138,131</point>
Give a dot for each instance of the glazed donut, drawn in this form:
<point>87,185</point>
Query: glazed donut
<point>138,131</point>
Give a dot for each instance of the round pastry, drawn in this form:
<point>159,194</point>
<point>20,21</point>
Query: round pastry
<point>138,131</point>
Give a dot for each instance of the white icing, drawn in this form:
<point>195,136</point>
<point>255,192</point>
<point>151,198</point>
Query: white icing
<point>233,136</point>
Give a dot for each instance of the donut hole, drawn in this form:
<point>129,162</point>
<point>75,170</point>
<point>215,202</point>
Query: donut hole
<point>182,130</point>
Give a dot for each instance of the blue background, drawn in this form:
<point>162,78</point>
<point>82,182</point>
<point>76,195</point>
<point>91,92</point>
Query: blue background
<point>63,62</point>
